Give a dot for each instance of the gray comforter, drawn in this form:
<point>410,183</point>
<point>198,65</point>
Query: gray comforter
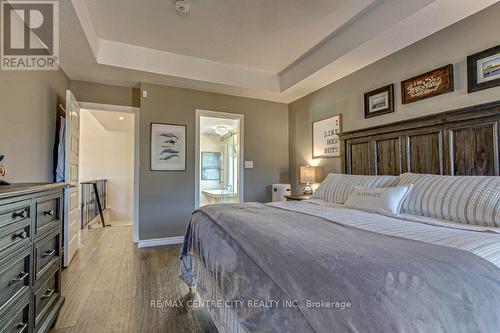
<point>294,272</point>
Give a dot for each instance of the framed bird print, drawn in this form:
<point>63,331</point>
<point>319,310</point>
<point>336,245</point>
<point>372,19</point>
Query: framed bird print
<point>168,147</point>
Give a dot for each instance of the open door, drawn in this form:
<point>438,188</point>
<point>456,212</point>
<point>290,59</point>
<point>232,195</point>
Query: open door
<point>71,202</point>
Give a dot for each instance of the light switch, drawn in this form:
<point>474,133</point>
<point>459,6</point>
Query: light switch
<point>248,164</point>
<point>145,93</point>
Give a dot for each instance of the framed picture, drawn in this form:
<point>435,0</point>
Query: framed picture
<point>210,165</point>
<point>379,101</point>
<point>325,138</point>
<point>483,69</point>
<point>436,82</point>
<point>168,147</point>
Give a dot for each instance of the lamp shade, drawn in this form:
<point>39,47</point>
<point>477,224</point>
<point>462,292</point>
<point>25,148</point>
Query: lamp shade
<point>307,174</point>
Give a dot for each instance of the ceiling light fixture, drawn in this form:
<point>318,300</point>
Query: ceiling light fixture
<point>221,129</point>
<point>182,6</point>
<point>121,118</point>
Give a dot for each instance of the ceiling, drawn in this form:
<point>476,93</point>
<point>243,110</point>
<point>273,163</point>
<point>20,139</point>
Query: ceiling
<point>114,121</point>
<point>241,33</point>
<point>277,50</point>
<point>207,124</point>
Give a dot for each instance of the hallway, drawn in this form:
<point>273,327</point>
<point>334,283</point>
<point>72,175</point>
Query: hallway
<point>110,284</point>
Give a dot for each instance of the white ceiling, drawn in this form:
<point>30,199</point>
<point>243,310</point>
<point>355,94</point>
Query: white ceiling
<point>207,124</point>
<point>111,121</point>
<point>237,32</point>
<point>278,50</point>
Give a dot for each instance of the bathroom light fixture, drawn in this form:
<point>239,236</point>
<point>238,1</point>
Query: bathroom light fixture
<point>221,129</point>
<point>121,118</point>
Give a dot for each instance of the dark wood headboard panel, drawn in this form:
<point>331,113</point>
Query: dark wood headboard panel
<point>458,142</point>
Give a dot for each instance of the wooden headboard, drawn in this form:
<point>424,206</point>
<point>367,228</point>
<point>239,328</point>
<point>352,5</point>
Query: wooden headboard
<point>458,142</point>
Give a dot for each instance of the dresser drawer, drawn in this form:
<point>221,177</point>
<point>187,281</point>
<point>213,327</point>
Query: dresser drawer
<point>14,212</point>
<point>14,237</point>
<point>14,277</point>
<point>46,294</point>
<point>46,252</point>
<point>17,321</point>
<point>47,213</point>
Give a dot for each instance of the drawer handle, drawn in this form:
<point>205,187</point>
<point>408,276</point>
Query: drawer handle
<point>21,327</point>
<point>20,277</point>
<point>49,212</point>
<point>22,214</point>
<point>48,253</point>
<point>22,235</point>
<point>48,294</point>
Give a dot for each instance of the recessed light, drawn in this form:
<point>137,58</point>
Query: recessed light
<point>121,118</point>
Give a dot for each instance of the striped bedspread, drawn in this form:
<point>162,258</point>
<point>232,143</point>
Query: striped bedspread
<point>483,242</point>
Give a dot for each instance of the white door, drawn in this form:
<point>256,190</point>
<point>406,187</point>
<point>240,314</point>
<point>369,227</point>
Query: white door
<point>71,202</point>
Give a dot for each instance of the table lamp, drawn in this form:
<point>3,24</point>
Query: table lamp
<point>307,176</point>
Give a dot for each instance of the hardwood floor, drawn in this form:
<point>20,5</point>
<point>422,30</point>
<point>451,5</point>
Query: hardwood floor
<point>110,285</point>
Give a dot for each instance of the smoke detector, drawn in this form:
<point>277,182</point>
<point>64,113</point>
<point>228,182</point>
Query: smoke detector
<point>182,6</point>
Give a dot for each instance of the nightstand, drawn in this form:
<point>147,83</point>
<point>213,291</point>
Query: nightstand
<point>297,197</point>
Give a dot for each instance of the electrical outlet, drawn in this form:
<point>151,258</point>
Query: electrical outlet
<point>248,164</point>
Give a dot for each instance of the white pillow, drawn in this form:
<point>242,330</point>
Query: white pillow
<point>338,187</point>
<point>382,200</point>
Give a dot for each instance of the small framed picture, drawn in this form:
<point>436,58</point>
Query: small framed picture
<point>325,138</point>
<point>168,147</point>
<point>379,101</point>
<point>483,69</point>
<point>433,83</point>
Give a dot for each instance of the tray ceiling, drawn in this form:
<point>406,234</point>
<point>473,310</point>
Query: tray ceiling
<point>277,50</point>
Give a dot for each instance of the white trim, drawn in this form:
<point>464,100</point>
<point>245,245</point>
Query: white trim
<point>172,64</point>
<point>160,241</point>
<point>137,158</point>
<point>83,14</point>
<point>208,113</point>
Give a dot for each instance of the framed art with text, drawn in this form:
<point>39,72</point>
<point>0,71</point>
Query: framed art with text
<point>168,147</point>
<point>483,69</point>
<point>436,82</point>
<point>379,101</point>
<point>325,138</point>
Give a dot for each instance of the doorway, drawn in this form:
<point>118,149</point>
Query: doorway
<point>71,168</point>
<point>107,160</point>
<point>219,157</point>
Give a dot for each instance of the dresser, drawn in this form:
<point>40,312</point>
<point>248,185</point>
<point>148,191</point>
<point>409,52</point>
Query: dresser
<point>30,256</point>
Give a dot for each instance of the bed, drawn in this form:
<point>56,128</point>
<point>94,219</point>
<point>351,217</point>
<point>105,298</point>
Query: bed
<point>321,266</point>
<point>317,266</point>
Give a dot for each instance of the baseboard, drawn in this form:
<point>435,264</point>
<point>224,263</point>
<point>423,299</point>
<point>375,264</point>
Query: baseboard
<point>160,241</point>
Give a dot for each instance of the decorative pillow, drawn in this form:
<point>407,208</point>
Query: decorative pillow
<point>463,199</point>
<point>338,187</point>
<point>385,200</point>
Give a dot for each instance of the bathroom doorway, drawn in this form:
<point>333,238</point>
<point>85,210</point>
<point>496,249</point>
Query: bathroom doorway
<point>219,158</point>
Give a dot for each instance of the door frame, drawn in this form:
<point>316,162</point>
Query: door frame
<point>217,114</point>
<point>137,158</point>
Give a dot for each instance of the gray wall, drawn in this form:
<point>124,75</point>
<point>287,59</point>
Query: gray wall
<point>105,94</point>
<point>167,197</point>
<point>27,122</point>
<point>451,45</point>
